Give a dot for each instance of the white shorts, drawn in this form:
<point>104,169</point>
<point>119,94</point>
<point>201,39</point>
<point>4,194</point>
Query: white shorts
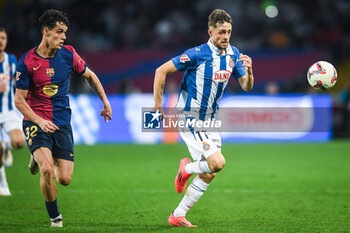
<point>10,121</point>
<point>201,143</point>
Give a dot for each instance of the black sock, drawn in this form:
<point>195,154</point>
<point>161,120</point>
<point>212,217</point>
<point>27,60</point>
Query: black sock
<point>52,209</point>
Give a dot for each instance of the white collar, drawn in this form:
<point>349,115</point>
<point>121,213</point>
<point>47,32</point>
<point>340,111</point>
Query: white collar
<point>215,49</point>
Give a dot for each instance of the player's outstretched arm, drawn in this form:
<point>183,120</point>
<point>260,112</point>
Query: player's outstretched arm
<point>26,110</point>
<point>159,83</point>
<point>96,85</point>
<point>247,81</point>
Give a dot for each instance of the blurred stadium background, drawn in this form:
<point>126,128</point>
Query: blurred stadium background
<point>125,41</point>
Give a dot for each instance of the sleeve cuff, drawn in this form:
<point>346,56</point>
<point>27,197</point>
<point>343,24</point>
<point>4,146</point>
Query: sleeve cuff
<point>83,71</point>
<point>177,65</point>
<point>22,87</point>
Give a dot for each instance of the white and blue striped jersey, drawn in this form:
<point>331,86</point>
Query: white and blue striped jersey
<point>7,74</point>
<point>206,76</point>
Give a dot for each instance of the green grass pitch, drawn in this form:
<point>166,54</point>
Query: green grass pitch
<point>129,188</point>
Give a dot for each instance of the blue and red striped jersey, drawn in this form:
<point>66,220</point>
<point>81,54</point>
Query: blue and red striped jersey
<point>47,82</point>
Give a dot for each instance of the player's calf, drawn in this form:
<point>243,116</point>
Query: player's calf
<point>207,178</point>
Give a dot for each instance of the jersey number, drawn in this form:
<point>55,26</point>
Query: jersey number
<point>31,131</point>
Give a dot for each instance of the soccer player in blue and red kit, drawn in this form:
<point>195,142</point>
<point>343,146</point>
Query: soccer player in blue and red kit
<point>208,69</point>
<point>42,82</point>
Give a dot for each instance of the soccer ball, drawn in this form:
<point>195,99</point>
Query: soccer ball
<point>322,75</point>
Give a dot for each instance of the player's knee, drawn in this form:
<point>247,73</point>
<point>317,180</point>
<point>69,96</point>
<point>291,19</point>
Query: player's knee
<point>47,170</point>
<point>17,143</point>
<point>64,180</point>
<point>218,165</point>
<point>221,165</point>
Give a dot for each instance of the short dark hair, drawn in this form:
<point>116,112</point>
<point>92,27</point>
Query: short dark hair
<point>2,29</point>
<point>218,17</point>
<point>51,17</point>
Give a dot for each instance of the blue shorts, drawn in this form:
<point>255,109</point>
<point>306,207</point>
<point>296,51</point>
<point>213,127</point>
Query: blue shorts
<point>60,142</point>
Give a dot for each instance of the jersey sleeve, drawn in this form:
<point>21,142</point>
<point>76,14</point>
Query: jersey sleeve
<point>79,65</point>
<point>22,75</point>
<point>186,60</point>
<point>239,70</point>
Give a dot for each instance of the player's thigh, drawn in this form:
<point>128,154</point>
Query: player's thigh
<point>201,143</point>
<point>216,138</point>
<point>63,144</point>
<point>194,146</point>
<point>36,137</point>
<point>215,159</point>
<point>43,156</point>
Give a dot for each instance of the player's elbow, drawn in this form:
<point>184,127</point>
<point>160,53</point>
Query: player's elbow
<point>160,71</point>
<point>247,86</point>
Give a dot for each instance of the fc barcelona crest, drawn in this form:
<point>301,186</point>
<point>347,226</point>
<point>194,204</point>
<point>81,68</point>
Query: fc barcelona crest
<point>50,72</point>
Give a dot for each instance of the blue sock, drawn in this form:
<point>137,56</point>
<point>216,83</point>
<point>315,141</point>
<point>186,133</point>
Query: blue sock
<point>52,209</point>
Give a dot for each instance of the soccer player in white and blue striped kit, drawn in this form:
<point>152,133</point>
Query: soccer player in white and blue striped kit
<point>208,68</point>
<point>9,120</point>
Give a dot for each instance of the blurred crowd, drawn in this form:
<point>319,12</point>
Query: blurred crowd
<point>101,25</point>
<point>105,25</point>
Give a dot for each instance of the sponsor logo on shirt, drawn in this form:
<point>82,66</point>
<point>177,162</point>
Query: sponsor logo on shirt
<point>50,89</point>
<point>184,58</point>
<point>35,68</point>
<point>221,76</point>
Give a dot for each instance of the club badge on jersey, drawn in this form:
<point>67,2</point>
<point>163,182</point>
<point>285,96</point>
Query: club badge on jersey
<point>50,72</point>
